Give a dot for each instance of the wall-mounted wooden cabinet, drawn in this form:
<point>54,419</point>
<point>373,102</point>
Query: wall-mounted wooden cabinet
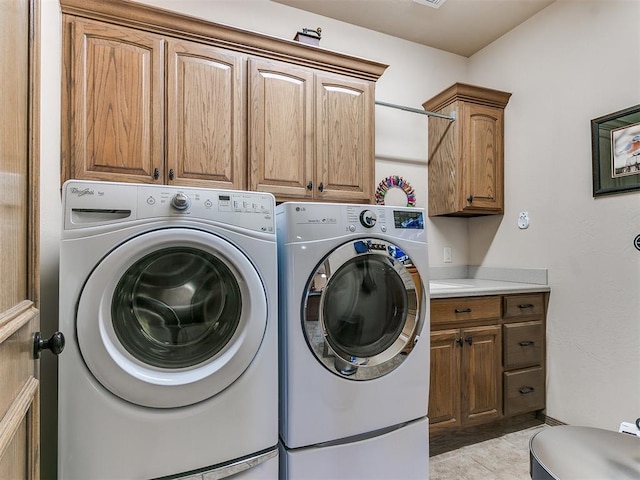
<point>466,159</point>
<point>153,96</point>
<point>487,359</point>
<point>124,85</point>
<point>310,133</point>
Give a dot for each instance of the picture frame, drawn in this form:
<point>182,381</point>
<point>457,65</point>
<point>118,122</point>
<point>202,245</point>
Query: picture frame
<point>615,145</point>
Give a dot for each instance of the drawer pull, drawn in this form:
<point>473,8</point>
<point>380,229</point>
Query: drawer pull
<point>526,305</point>
<point>462,310</point>
<point>469,340</point>
<point>459,341</point>
<point>526,390</point>
<point>527,343</point>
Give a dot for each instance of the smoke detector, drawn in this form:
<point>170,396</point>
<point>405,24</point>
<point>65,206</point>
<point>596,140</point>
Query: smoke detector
<point>430,3</point>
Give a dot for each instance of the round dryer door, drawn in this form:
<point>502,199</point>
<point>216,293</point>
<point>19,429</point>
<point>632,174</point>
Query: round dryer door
<point>171,317</point>
<point>361,312</point>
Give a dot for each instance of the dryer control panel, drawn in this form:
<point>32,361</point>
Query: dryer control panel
<point>318,221</point>
<point>89,203</point>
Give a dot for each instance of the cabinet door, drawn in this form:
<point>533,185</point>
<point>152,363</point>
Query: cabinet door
<point>113,124</point>
<point>482,159</point>
<point>444,388</point>
<point>281,152</point>
<point>206,125</point>
<point>344,139</point>
<point>481,374</point>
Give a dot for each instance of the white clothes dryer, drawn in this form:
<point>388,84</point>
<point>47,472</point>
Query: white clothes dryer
<point>168,298</point>
<point>354,334</point>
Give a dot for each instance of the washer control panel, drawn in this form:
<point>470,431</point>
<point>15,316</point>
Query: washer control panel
<point>101,203</point>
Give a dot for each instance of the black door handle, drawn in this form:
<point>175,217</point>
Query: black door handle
<point>55,344</point>
<point>469,340</point>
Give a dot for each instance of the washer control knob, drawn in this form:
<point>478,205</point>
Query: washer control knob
<point>352,228</point>
<point>180,201</point>
<point>368,218</point>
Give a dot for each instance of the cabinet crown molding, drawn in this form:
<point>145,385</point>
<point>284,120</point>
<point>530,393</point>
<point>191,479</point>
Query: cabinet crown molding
<point>467,93</point>
<point>166,22</point>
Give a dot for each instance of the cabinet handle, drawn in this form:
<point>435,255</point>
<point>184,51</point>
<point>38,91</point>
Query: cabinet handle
<point>171,174</point>
<point>469,340</point>
<point>310,185</point>
<point>470,199</point>
<point>526,305</point>
<point>459,341</point>
<point>527,343</point>
<point>156,173</point>
<point>462,310</point>
<point>526,390</point>
<point>321,187</point>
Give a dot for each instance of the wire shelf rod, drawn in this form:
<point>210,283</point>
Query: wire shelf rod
<point>451,117</point>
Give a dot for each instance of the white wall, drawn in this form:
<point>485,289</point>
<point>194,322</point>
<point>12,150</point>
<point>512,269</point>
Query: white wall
<point>575,61</point>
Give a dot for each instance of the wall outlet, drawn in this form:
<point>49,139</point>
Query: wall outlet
<point>447,255</point>
<point>523,220</point>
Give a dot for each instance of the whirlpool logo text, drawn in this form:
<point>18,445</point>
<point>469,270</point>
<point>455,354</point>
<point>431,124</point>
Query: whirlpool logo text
<point>82,192</point>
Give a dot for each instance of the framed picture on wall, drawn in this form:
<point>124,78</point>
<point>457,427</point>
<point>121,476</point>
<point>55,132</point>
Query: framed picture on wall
<point>615,144</point>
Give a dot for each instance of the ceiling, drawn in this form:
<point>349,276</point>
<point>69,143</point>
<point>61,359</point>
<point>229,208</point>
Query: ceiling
<point>457,26</point>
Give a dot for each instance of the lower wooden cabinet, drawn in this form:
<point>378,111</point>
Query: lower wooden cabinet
<point>465,377</point>
<point>487,359</point>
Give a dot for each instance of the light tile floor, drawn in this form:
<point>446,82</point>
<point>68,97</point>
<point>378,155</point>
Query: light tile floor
<point>502,458</point>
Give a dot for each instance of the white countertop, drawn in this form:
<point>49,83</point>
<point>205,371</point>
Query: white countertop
<point>471,287</point>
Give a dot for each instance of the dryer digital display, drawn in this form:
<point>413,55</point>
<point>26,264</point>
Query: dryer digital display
<point>408,219</point>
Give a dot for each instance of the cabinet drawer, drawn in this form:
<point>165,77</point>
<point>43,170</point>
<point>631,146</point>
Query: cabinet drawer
<point>520,306</point>
<point>524,391</point>
<point>448,310</point>
<point>523,344</point>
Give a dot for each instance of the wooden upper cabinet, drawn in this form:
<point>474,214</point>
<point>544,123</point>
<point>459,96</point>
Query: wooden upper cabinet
<point>296,155</point>
<point>154,96</point>
<point>344,139</point>
<point>466,159</point>
<point>281,155</point>
<point>206,125</point>
<point>114,104</point>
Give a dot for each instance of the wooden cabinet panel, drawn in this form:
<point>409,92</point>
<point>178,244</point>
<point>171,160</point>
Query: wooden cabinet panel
<point>281,152</point>
<point>206,124</point>
<point>517,307</point>
<point>444,391</point>
<point>344,139</point>
<point>482,171</point>
<point>523,344</point>
<point>481,380</point>
<point>448,310</point>
<point>114,113</point>
<point>524,390</point>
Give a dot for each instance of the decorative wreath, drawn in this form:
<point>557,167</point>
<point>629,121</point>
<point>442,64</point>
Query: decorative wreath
<point>395,181</point>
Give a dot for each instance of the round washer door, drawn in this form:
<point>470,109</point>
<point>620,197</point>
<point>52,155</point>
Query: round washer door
<point>171,317</point>
<point>361,309</point>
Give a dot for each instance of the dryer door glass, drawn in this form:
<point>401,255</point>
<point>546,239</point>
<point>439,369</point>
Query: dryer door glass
<point>361,311</point>
<point>176,307</point>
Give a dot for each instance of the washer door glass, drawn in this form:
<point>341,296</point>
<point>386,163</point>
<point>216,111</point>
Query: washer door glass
<point>171,317</point>
<point>361,309</point>
<point>176,307</point>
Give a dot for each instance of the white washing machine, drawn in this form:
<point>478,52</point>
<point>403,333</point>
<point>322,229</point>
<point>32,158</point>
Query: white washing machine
<point>168,300</point>
<point>354,341</point>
